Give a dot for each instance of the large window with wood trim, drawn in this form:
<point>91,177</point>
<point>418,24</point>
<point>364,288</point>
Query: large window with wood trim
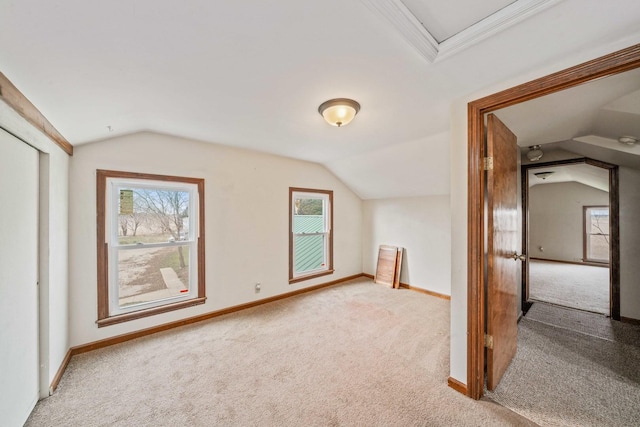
<point>596,234</point>
<point>310,233</point>
<point>150,244</point>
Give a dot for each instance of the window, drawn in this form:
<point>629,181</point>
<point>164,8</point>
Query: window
<point>596,233</point>
<point>310,233</point>
<point>150,244</point>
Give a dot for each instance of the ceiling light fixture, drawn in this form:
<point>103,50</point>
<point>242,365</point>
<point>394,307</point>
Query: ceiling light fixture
<point>543,175</point>
<point>628,140</point>
<point>535,153</point>
<point>339,112</point>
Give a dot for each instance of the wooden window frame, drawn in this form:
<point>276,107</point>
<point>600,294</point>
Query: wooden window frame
<point>293,278</point>
<point>585,244</point>
<point>104,318</point>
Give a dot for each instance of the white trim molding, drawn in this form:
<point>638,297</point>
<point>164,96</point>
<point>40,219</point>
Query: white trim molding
<point>397,13</point>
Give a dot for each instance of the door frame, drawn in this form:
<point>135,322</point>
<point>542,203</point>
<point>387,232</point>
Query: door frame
<point>614,226</point>
<point>608,65</point>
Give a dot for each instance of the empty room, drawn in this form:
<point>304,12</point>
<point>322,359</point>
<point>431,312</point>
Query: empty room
<point>200,199</point>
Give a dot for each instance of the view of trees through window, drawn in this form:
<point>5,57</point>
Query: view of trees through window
<point>156,221</point>
<point>597,233</point>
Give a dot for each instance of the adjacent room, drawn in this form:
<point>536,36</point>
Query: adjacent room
<point>197,193</point>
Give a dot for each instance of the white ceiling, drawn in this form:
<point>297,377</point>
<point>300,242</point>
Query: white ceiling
<point>608,108</point>
<point>437,19</point>
<point>252,73</point>
<point>583,173</point>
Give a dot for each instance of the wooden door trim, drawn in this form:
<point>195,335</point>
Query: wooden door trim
<point>608,65</point>
<point>614,225</point>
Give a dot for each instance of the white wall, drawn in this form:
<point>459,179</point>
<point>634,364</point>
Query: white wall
<point>54,279</point>
<point>410,169</point>
<point>246,208</point>
<point>629,243</point>
<point>421,226</point>
<point>555,219</point>
<point>459,193</point>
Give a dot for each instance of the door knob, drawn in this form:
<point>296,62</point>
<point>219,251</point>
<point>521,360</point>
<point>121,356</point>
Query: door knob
<point>517,257</point>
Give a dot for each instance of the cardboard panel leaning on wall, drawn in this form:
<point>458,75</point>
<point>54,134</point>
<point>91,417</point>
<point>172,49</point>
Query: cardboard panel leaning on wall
<point>421,226</point>
<point>246,210</point>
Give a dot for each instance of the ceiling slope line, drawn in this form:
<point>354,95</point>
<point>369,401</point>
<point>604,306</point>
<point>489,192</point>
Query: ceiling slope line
<point>21,105</point>
<point>397,13</point>
<point>407,24</point>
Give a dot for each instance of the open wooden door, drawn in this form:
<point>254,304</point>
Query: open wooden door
<point>503,262</point>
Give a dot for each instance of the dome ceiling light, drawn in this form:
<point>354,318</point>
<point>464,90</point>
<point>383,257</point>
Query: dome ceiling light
<point>339,112</point>
<point>535,153</point>
<point>628,140</point>
<point>543,175</point>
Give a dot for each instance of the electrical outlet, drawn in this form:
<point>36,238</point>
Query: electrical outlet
<point>257,288</point>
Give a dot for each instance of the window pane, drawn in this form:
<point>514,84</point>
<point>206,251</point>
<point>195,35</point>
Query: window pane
<point>308,253</point>
<point>152,215</point>
<point>597,233</point>
<point>598,247</point>
<point>598,221</point>
<point>151,274</point>
<point>308,215</point>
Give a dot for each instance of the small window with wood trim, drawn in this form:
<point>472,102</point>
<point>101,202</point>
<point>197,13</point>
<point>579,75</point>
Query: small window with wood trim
<point>310,233</point>
<point>150,244</point>
<point>596,234</point>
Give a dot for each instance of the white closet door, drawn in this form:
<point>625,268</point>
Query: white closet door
<point>18,280</point>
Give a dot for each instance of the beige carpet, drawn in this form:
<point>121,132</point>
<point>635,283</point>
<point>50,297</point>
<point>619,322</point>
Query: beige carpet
<point>356,354</point>
<point>577,286</point>
<point>573,368</point>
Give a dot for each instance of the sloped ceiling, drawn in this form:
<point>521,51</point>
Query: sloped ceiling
<point>583,173</point>
<point>251,74</point>
<point>588,120</point>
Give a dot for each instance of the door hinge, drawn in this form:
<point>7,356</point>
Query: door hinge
<point>488,341</point>
<point>488,163</point>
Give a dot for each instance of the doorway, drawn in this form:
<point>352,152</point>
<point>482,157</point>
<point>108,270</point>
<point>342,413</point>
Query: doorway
<point>608,65</point>
<point>567,228</point>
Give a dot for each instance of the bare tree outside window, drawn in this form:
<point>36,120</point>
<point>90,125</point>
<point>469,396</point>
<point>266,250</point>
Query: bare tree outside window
<point>150,244</point>
<point>596,233</point>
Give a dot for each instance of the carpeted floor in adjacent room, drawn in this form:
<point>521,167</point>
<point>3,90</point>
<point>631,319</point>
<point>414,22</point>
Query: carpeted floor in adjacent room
<point>573,368</point>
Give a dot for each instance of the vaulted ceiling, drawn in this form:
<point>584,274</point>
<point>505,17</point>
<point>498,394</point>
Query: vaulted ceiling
<point>252,73</point>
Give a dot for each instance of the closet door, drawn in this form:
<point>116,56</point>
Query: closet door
<point>18,279</point>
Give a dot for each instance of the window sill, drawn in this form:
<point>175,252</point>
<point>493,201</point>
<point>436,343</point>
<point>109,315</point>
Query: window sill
<point>310,276</point>
<point>120,318</point>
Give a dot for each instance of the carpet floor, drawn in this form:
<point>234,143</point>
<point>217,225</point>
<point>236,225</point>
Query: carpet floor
<point>573,368</point>
<point>583,287</point>
<point>356,354</point>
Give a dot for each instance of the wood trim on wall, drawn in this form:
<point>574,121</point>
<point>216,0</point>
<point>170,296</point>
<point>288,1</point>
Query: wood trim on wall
<point>195,319</point>
<point>630,320</point>
<point>614,63</point>
<point>425,291</point>
<point>416,289</point>
<point>21,105</point>
<point>60,372</point>
<point>457,386</point>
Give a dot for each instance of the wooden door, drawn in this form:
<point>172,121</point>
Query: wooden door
<point>503,271</point>
<point>18,280</point>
